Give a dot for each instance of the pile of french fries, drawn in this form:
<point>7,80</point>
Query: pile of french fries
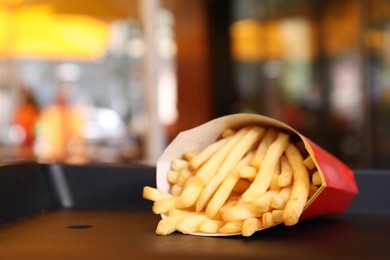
<point>249,179</point>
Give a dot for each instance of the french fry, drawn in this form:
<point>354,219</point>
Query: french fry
<point>316,178</point>
<point>190,223</point>
<point>280,199</point>
<point>263,203</point>
<point>227,132</point>
<point>277,215</point>
<point>191,191</point>
<point>206,154</point>
<point>240,212</point>
<point>248,172</point>
<point>285,177</point>
<point>250,226</point>
<point>300,188</point>
<point>172,176</point>
<point>210,167</point>
<point>309,163</point>
<point>235,155</point>
<point>179,164</point>
<point>176,190</point>
<point>168,225</point>
<point>165,205</point>
<point>183,176</point>
<point>188,156</point>
<point>154,194</point>
<point>267,140</point>
<point>232,227</point>
<point>264,176</point>
<point>211,226</point>
<point>177,212</point>
<point>274,185</point>
<point>223,192</point>
<point>267,219</point>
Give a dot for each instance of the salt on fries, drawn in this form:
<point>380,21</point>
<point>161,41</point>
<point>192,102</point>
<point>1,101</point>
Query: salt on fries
<point>249,179</point>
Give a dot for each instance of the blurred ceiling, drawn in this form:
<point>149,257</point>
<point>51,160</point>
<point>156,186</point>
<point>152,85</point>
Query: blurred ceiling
<point>59,29</point>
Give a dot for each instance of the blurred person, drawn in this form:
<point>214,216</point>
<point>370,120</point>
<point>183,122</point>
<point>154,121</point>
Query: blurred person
<point>60,130</point>
<point>26,115</point>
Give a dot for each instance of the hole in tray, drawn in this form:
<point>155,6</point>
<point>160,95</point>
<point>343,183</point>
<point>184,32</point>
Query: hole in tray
<point>79,226</point>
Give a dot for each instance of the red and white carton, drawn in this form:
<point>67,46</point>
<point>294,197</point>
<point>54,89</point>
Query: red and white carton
<point>338,182</point>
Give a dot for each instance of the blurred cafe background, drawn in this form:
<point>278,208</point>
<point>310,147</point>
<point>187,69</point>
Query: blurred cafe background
<point>114,81</point>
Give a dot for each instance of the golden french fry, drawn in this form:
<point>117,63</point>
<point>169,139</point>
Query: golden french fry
<point>285,177</point>
<point>165,205</point>
<point>267,140</point>
<point>232,227</point>
<point>176,190</point>
<point>264,176</point>
<point>250,226</point>
<point>211,226</point>
<point>223,192</point>
<point>309,163</point>
<point>183,176</point>
<point>316,179</point>
<point>179,164</point>
<point>280,199</point>
<point>176,212</point>
<point>274,184</point>
<point>154,194</point>
<point>248,172</point>
<point>235,155</point>
<point>227,132</point>
<point>172,176</point>
<point>240,212</point>
<point>210,167</point>
<point>206,154</point>
<point>190,223</point>
<point>191,192</point>
<point>300,188</point>
<point>267,219</point>
<point>189,180</point>
<point>168,225</point>
<point>188,156</point>
<point>262,203</point>
<point>277,215</point>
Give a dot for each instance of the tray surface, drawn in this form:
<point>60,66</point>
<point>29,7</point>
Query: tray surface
<point>123,234</point>
<point>63,211</point>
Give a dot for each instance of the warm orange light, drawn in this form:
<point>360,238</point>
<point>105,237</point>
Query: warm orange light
<point>248,40</point>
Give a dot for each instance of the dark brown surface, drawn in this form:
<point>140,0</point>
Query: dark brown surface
<point>126,234</point>
<point>117,223</point>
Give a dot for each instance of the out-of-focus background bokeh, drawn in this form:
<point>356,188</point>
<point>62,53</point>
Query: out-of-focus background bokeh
<point>113,81</point>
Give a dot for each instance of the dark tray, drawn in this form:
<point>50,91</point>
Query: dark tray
<point>62,211</point>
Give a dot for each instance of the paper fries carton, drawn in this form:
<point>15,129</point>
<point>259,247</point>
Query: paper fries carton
<point>338,184</point>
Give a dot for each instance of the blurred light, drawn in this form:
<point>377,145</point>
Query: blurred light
<point>272,69</point>
<point>103,123</point>
<point>247,40</point>
<point>68,72</point>
<point>135,48</point>
<point>345,95</point>
<point>16,134</point>
<point>167,97</point>
<point>295,34</point>
<point>167,48</point>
